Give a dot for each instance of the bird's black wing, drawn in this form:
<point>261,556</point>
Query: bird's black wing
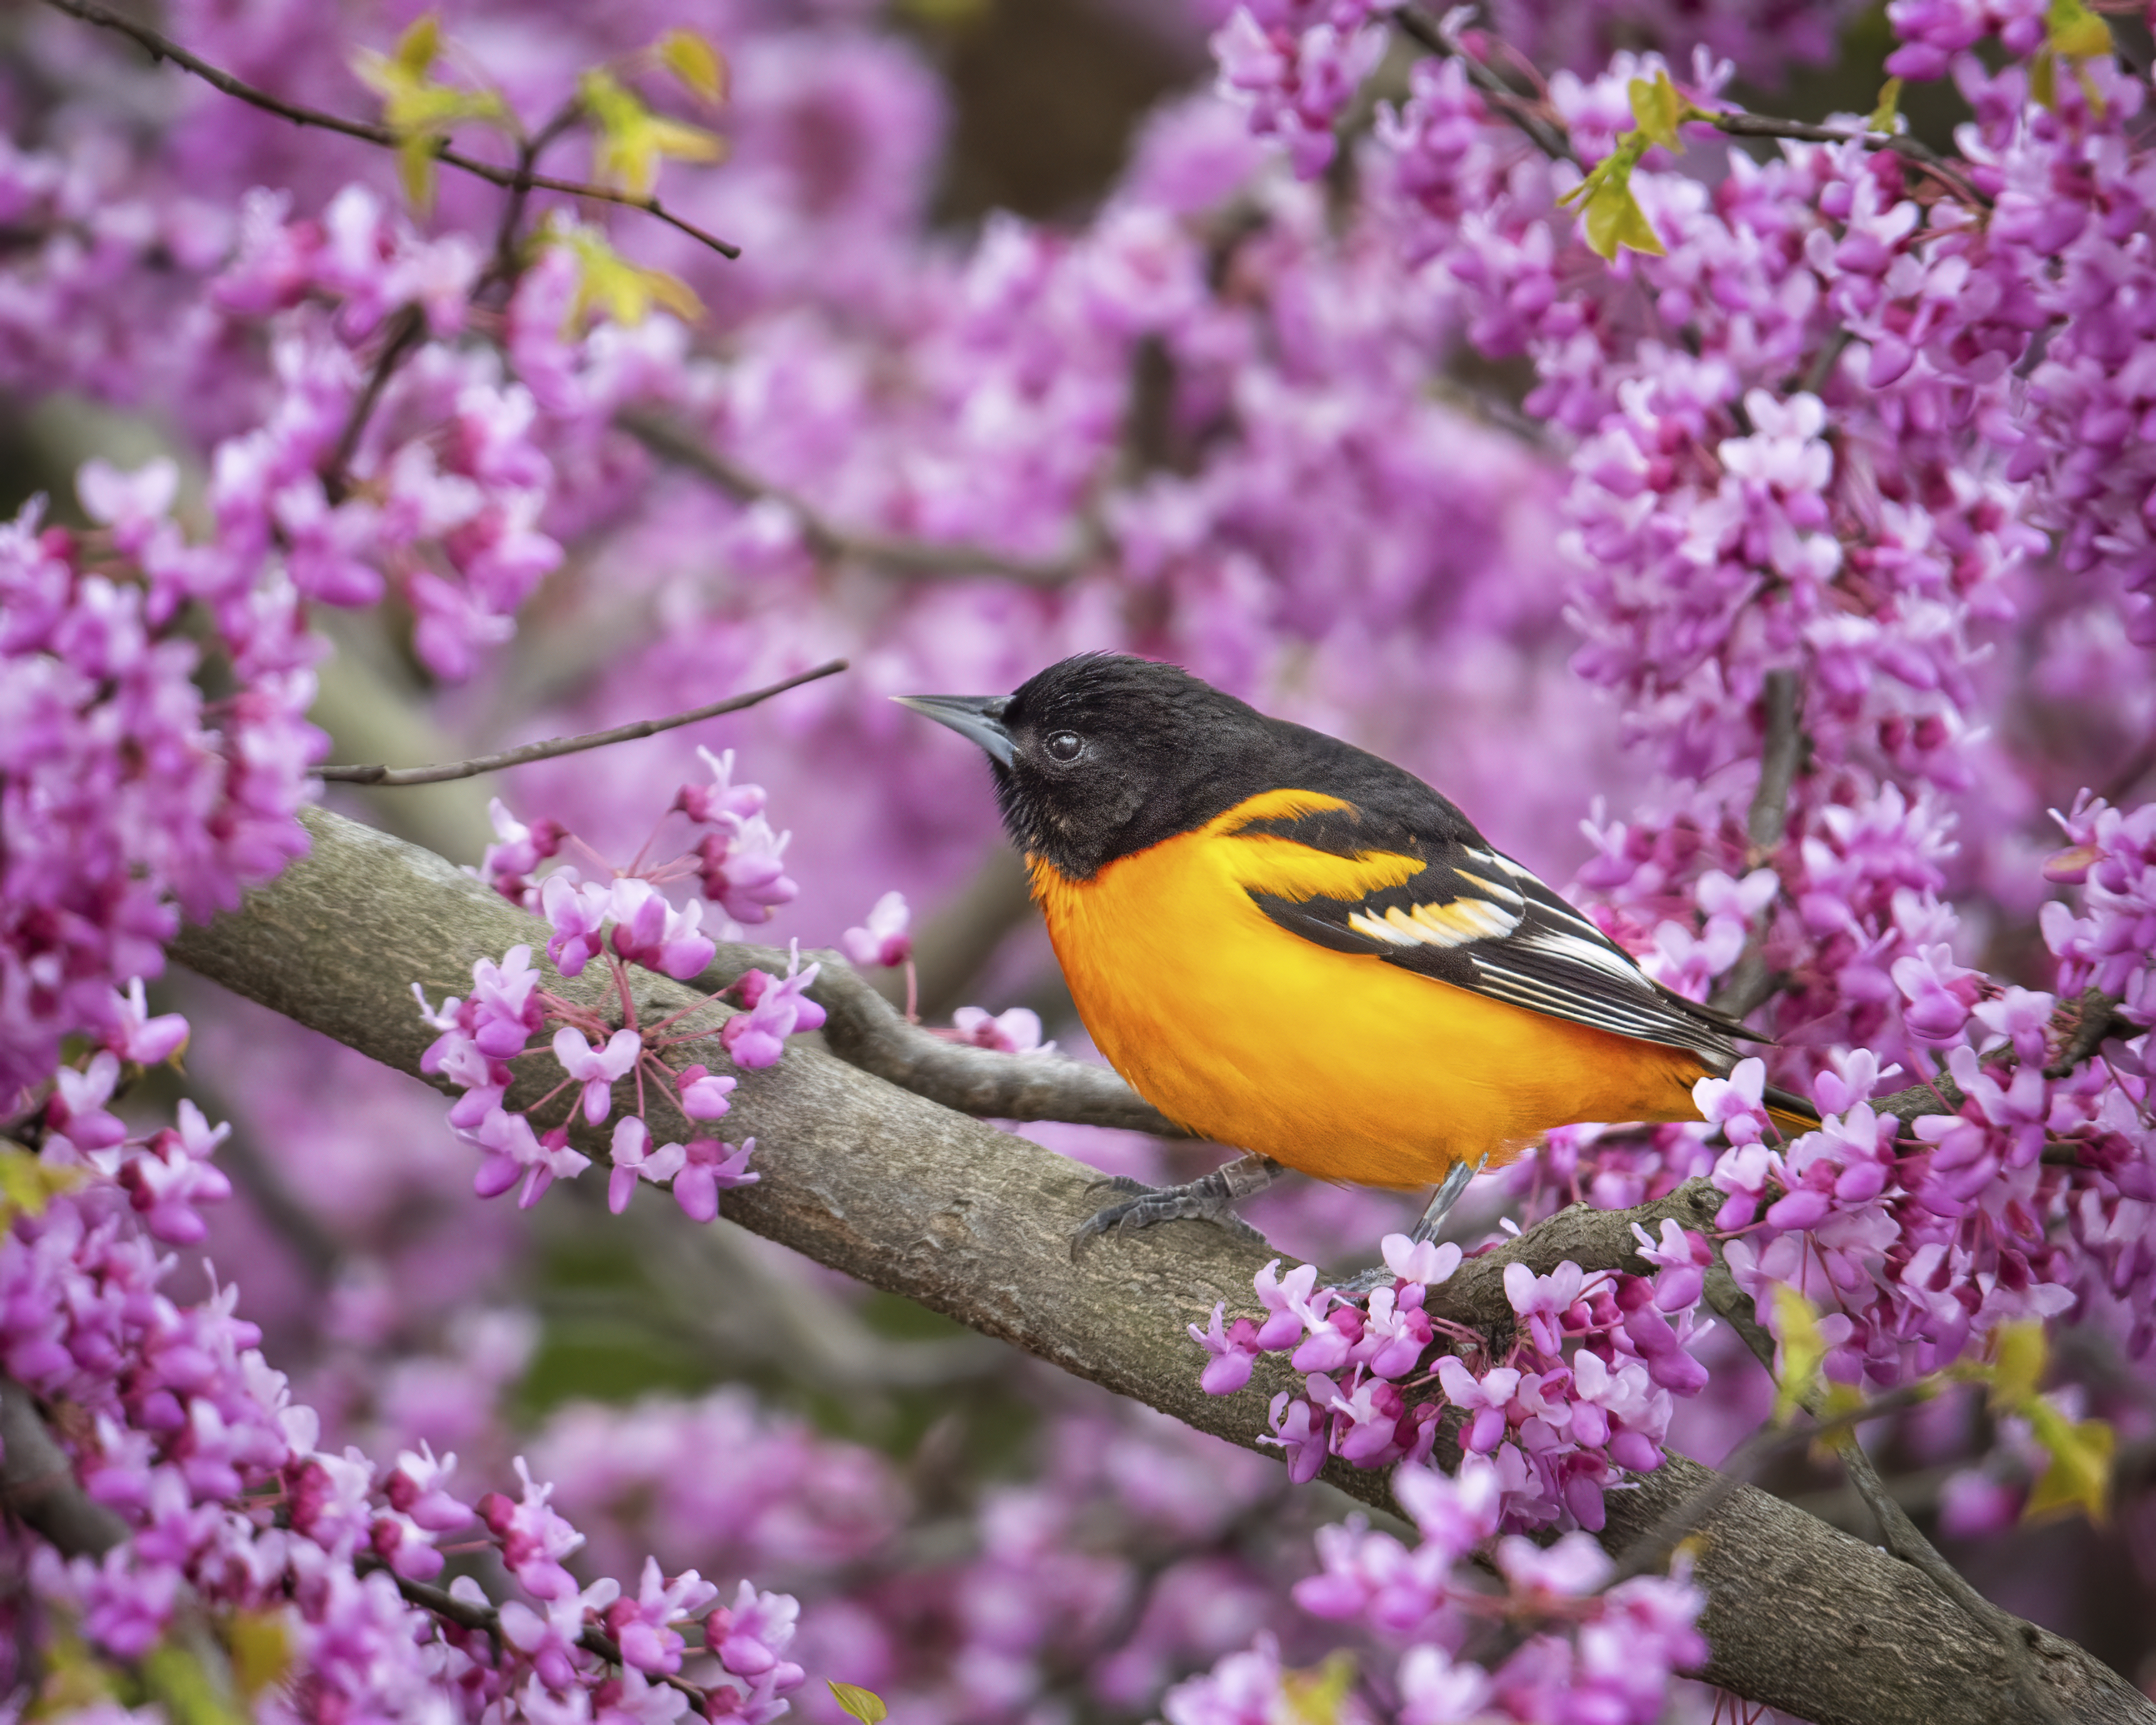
<point>1473,918</point>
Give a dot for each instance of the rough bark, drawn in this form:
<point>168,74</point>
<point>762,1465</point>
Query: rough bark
<point>915,1198</point>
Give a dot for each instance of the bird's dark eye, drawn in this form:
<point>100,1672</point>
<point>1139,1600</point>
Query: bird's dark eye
<point>1064,746</point>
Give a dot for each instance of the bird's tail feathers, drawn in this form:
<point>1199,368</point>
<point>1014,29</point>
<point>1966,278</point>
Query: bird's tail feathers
<point>1791,1112</point>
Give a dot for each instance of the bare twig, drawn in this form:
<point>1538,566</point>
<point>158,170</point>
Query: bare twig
<point>865,1030</point>
<point>1743,1463</point>
<point>1426,33</point>
<point>163,48</point>
<point>405,328</point>
<point>918,557</point>
<point>526,752</point>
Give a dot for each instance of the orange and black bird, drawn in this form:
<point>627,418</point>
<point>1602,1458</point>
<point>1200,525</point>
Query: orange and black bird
<point>1293,947</point>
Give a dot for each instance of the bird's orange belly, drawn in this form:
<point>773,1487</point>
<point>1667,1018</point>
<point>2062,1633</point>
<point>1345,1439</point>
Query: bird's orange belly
<point>1338,1064</point>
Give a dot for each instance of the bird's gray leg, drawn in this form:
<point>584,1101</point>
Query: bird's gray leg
<point>1211,1197</point>
<point>1441,1201</point>
<point>1448,1193</point>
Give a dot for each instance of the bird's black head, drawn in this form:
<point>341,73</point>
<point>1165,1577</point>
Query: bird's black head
<point>1102,756</point>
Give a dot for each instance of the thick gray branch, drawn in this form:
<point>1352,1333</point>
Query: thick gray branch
<point>914,1198</point>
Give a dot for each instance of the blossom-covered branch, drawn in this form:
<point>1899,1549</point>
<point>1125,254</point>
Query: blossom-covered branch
<point>519,179</point>
<point>914,1198</point>
<point>917,558</point>
<point>554,747</point>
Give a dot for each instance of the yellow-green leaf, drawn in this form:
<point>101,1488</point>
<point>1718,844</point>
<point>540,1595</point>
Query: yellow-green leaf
<point>415,170</point>
<point>418,47</point>
<point>1796,1321</point>
<point>863,1704</point>
<point>1889,105</point>
<point>1614,218</point>
<point>630,140</point>
<point>184,1690</point>
<point>261,1650</point>
<point>74,1679</point>
<point>692,58</point>
<point>2020,1353</point>
<point>1314,1697</point>
<point>2043,80</point>
<point>2071,30</point>
<point>2079,1473</point>
<point>608,282</point>
<point>1659,109</point>
<point>29,1184</point>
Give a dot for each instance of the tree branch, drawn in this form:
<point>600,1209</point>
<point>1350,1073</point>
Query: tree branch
<point>920,558</point>
<point>1747,987</point>
<point>525,753</point>
<point>518,179</point>
<point>2017,1640</point>
<point>920,1201</point>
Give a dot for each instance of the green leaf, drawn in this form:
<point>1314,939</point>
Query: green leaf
<point>2079,1473</point>
<point>2073,31</point>
<point>630,140</point>
<point>418,47</point>
<point>863,1704</point>
<point>1614,218</point>
<point>74,1679</point>
<point>1889,105</point>
<point>694,59</point>
<point>184,1690</point>
<point>28,1184</point>
<point>607,282</point>
<point>261,1650</point>
<point>1796,1322</point>
<point>420,111</point>
<point>1315,1697</point>
<point>1659,109</point>
<point>2019,1355</point>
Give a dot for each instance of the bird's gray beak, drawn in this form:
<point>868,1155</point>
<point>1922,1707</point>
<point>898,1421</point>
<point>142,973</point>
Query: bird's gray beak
<point>978,716</point>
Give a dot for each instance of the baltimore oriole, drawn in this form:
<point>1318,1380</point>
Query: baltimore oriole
<point>1291,947</point>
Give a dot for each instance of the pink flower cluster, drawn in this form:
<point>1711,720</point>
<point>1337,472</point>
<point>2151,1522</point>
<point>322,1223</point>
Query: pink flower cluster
<point>125,796</point>
<point>1581,1393</point>
<point>623,921</point>
<point>1606,1656</point>
<point>176,1423</point>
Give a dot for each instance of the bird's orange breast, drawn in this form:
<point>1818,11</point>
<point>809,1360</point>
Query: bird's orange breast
<point>1336,1063</point>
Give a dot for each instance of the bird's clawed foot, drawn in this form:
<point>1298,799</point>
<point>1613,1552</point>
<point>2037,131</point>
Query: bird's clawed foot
<point>1212,1197</point>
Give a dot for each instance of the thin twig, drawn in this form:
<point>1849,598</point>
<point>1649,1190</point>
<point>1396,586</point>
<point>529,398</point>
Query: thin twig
<point>1425,32</point>
<point>528,752</point>
<point>405,332</point>
<point>671,442</point>
<point>1747,987</point>
<point>1741,1463</point>
<point>440,1602</point>
<point>163,48</point>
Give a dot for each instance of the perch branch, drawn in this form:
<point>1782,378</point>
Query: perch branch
<point>924,558</point>
<point>920,1201</point>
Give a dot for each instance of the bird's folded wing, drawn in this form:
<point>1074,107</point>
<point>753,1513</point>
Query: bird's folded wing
<point>1478,920</point>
